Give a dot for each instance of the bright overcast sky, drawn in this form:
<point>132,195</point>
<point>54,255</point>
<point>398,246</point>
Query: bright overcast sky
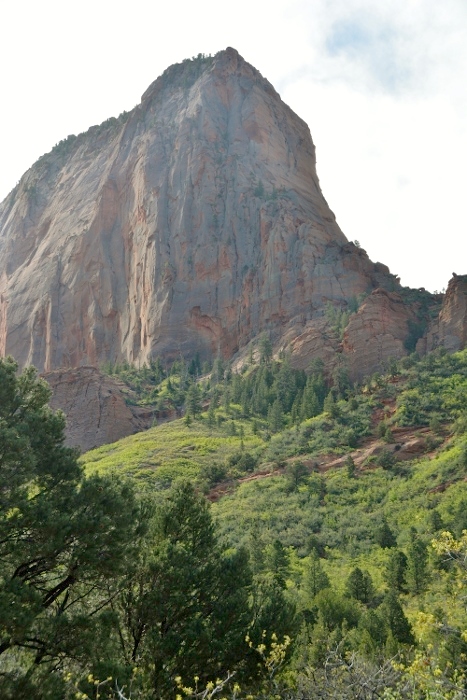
<point>382,85</point>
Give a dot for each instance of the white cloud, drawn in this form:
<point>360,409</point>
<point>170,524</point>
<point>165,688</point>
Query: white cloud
<point>384,95</point>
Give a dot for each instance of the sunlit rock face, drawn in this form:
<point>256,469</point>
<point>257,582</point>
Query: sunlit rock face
<point>95,407</point>
<point>449,330</point>
<point>192,224</point>
<point>376,334</point>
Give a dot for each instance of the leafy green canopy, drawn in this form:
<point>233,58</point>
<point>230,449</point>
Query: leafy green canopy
<point>87,592</point>
<point>63,539</point>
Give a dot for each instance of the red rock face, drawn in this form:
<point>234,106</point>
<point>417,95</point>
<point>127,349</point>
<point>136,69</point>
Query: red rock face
<point>376,333</point>
<point>450,329</point>
<point>193,225</point>
<point>95,407</point>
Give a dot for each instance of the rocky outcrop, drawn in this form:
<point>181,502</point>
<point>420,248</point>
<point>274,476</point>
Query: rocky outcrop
<point>316,340</point>
<point>449,330</point>
<point>192,224</point>
<point>95,407</point>
<point>376,333</point>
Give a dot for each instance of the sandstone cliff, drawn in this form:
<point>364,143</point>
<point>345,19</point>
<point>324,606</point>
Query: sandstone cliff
<point>376,333</point>
<point>95,407</point>
<point>449,330</point>
<point>191,224</point>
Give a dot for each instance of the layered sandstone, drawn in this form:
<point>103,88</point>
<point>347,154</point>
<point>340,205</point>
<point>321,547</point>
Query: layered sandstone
<point>376,333</point>
<point>449,330</point>
<point>95,407</point>
<point>194,223</point>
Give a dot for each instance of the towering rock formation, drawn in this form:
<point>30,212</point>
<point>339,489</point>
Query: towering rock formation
<point>193,223</point>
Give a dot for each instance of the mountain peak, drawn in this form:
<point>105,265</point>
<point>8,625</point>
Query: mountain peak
<point>192,225</point>
<point>183,75</point>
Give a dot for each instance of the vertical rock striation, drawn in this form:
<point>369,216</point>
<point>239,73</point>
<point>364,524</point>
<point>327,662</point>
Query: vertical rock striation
<point>95,407</point>
<point>376,333</point>
<point>191,224</point>
<point>449,330</point>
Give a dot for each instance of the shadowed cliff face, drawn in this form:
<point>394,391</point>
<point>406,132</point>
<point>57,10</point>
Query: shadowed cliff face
<point>193,224</point>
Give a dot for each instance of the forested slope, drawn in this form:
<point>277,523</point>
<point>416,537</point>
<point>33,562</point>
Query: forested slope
<point>321,569</point>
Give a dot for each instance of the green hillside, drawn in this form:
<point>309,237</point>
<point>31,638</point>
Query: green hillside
<point>322,567</point>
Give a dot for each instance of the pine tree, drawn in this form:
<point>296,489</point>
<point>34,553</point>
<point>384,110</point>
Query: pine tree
<point>315,578</point>
<point>384,536</point>
<point>226,398</point>
<point>265,349</point>
<point>359,585</point>
<point>350,464</point>
<point>395,619</point>
<point>186,609</point>
<point>296,473</point>
<point>211,417</point>
<point>396,569</point>
<point>64,541</point>
<point>330,406</point>
<point>276,417</point>
<point>285,386</point>
<point>417,564</point>
<point>218,370</point>
<point>277,561</point>
<point>310,403</point>
<point>193,400</point>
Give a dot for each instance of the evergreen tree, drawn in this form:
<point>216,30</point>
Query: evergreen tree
<point>384,536</point>
<point>310,405</point>
<point>276,560</point>
<point>193,400</point>
<point>296,408</point>
<point>394,616</point>
<point>335,610</point>
<point>256,548</point>
<point>236,388</point>
<point>350,464</point>
<point>272,610</point>
<point>156,369</point>
<point>211,417</point>
<point>396,569</point>
<point>265,349</point>
<point>330,406</point>
<point>64,542</point>
<point>276,417</point>
<point>435,521</point>
<point>186,610</point>
<point>372,623</point>
<point>341,381</point>
<point>314,578</point>
<point>359,585</point>
<point>218,370</point>
<point>417,564</point>
<point>317,381</point>
<point>296,473</point>
<point>285,385</point>
<point>246,404</point>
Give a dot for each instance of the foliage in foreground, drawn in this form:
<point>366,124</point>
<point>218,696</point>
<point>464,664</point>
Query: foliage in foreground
<point>105,588</point>
<point>96,582</point>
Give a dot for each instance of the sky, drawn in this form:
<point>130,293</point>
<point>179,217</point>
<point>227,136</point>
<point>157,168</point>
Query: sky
<point>382,85</point>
